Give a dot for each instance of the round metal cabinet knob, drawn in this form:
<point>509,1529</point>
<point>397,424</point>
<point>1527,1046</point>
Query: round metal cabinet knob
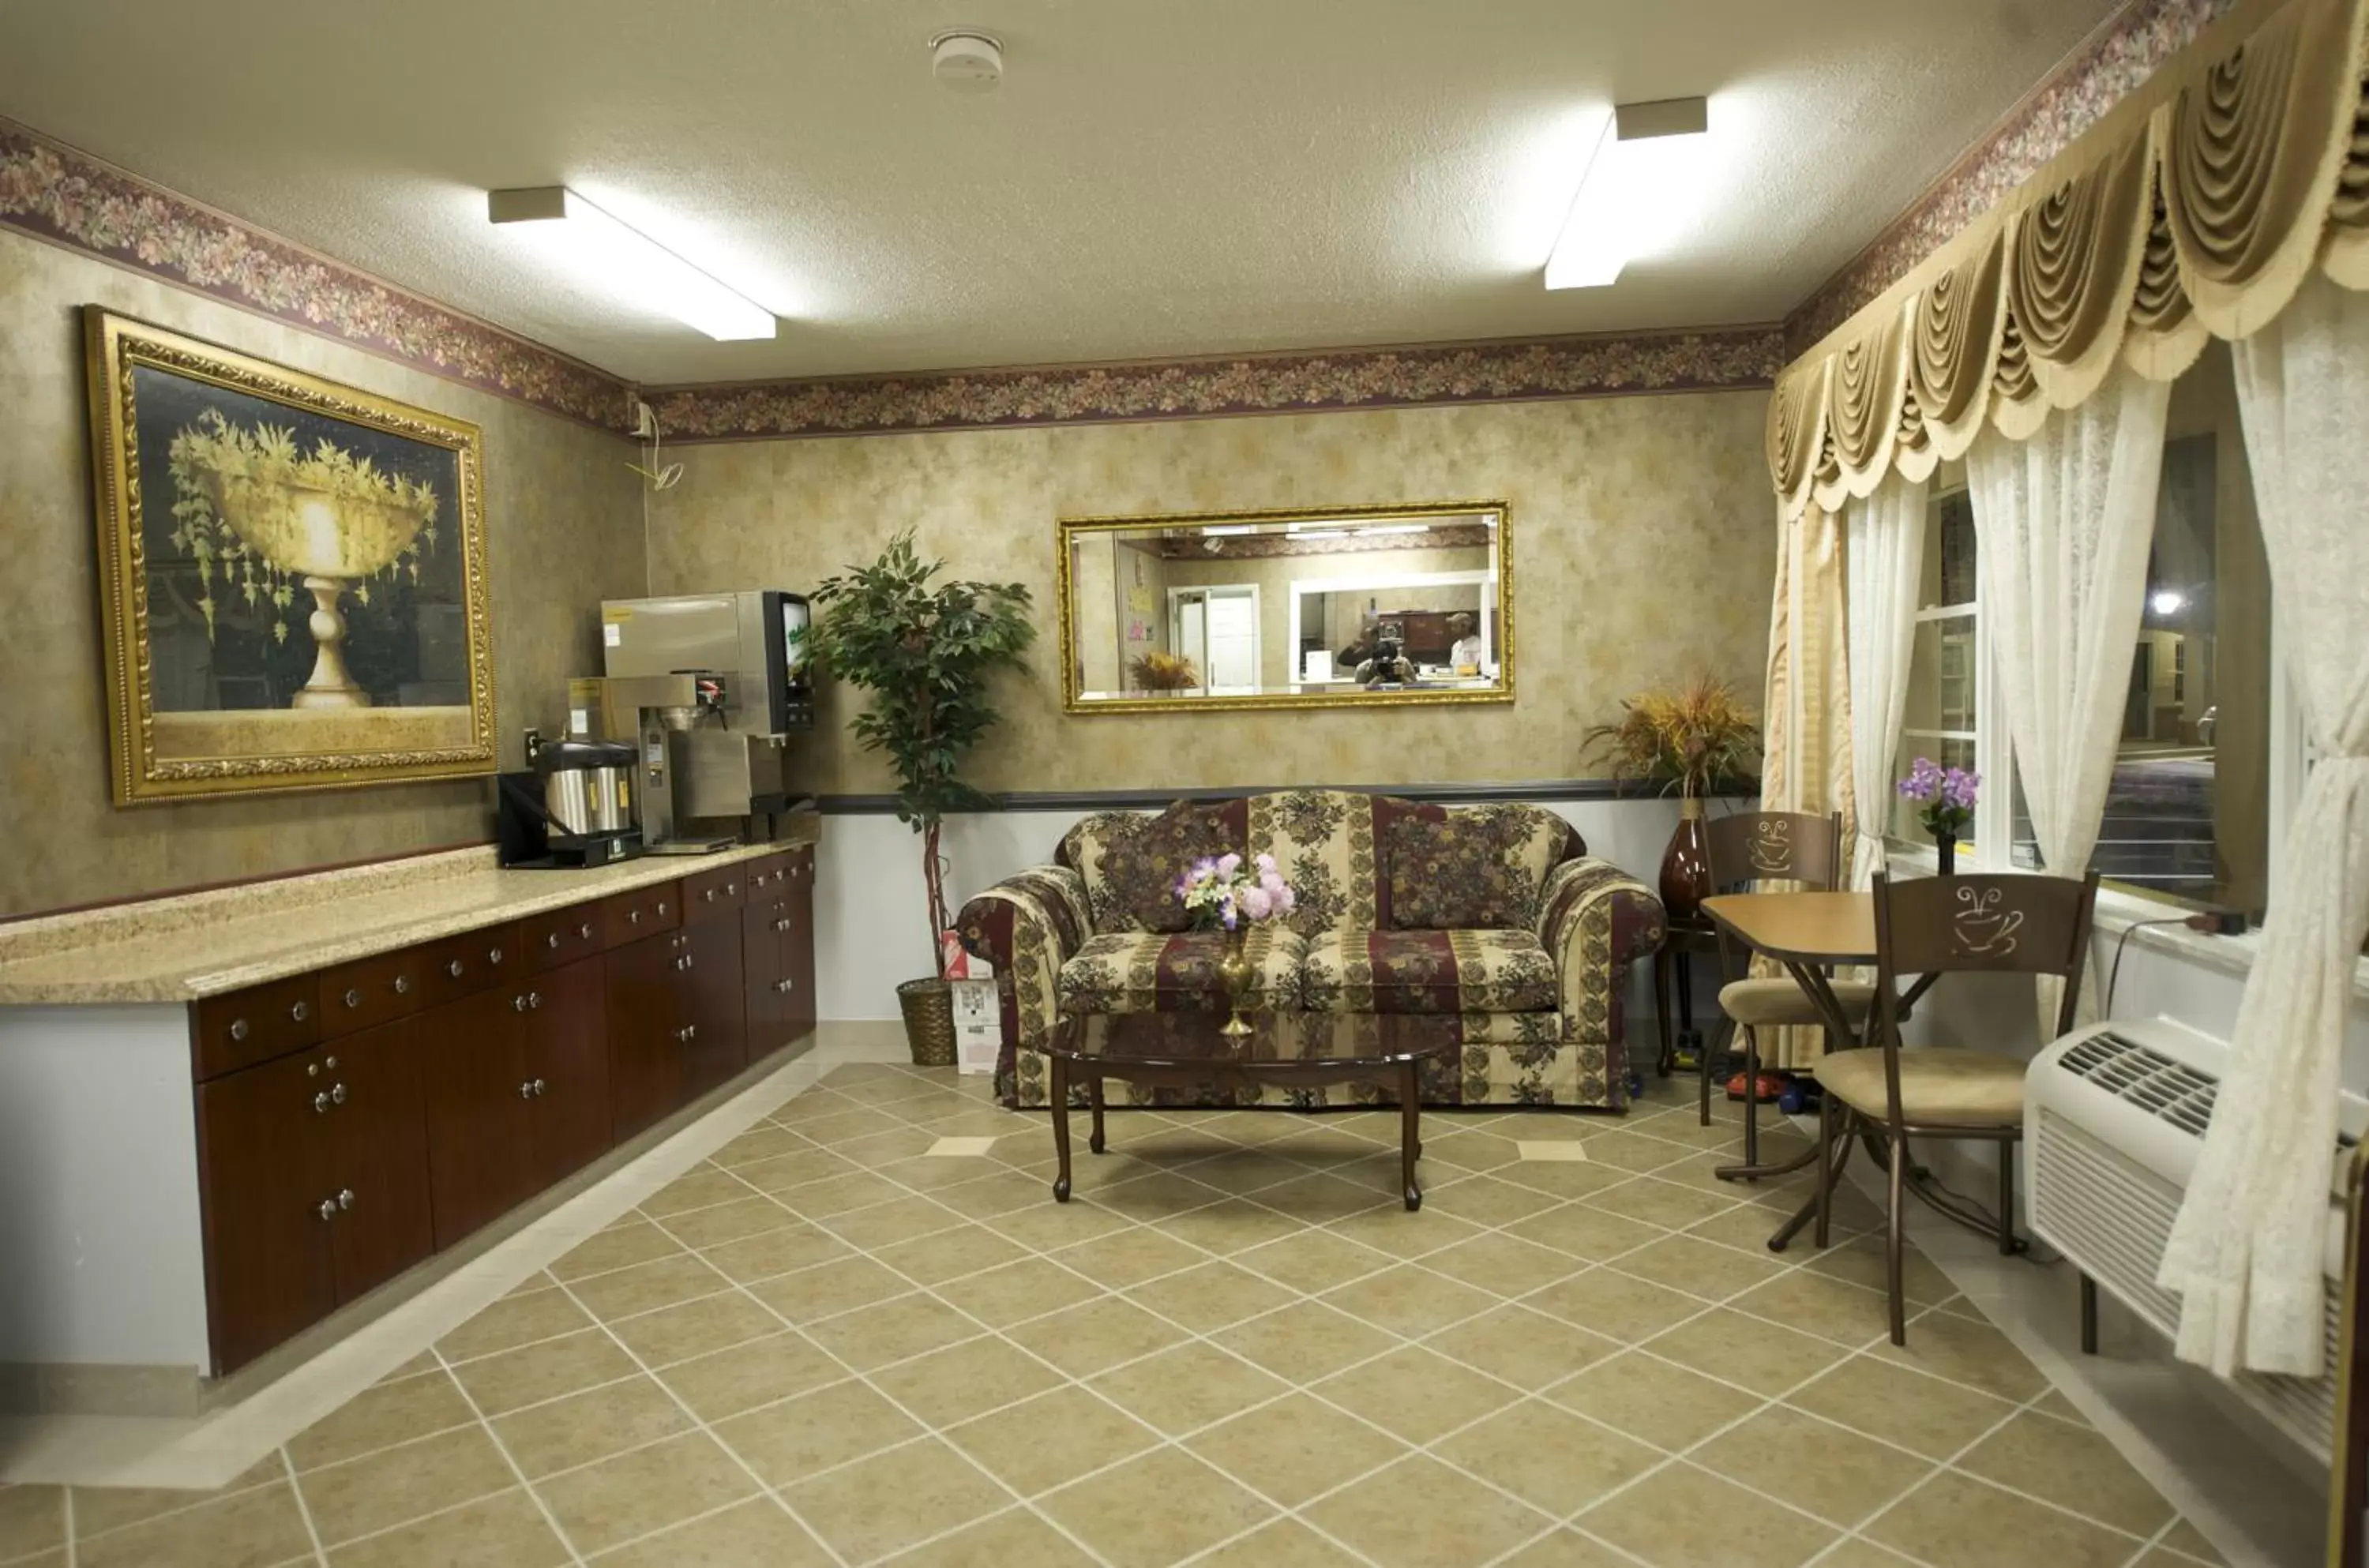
<point>402,985</point>
<point>711,895</point>
<point>321,1103</point>
<point>337,1093</point>
<point>331,1063</point>
<point>633,917</point>
<point>300,1011</point>
<point>661,906</point>
<point>552,941</point>
<point>538,1088</point>
<point>452,968</point>
<point>534,999</point>
<point>518,1004</point>
<point>238,1028</point>
<point>526,1091</point>
<point>585,932</point>
<point>353,998</point>
<point>493,954</point>
<point>346,1198</point>
<point>328,1209</point>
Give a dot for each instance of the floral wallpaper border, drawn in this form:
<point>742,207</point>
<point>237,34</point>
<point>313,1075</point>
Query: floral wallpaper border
<point>1266,384</point>
<point>69,198</point>
<point>2123,52</point>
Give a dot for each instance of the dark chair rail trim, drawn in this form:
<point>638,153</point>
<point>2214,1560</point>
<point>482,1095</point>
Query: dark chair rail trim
<point>1540,790</point>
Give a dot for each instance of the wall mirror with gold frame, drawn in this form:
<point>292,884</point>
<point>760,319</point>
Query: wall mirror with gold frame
<point>1287,609</point>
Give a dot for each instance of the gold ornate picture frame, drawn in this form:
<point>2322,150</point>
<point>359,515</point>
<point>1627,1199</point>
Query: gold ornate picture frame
<point>292,572</point>
<point>1453,653</point>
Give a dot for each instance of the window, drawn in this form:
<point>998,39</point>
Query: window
<point>2188,814</point>
<point>2198,781</point>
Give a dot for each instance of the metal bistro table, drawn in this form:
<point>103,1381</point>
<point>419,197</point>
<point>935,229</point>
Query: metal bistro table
<point>1808,933</point>
<point>1293,1049</point>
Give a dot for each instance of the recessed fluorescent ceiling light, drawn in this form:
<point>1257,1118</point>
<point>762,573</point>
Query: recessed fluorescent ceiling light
<point>1394,528</point>
<point>628,261</point>
<point>1320,533</point>
<point>1228,529</point>
<point>1650,156</point>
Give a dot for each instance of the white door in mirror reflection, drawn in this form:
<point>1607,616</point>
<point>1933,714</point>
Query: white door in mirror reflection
<point>1218,629</point>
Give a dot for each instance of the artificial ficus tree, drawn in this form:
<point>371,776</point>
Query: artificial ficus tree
<point>927,655</point>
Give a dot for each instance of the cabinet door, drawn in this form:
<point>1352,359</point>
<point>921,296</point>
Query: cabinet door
<point>646,1016</point>
<point>716,1046</point>
<point>567,1067</point>
<point>376,1157</point>
<point>798,948</point>
<point>261,1185</point>
<point>479,1112</point>
<point>763,978</point>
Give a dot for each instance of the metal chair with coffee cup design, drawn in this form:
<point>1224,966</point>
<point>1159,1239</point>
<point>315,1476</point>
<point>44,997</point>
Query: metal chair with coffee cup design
<point>1747,849</point>
<point>2013,923</point>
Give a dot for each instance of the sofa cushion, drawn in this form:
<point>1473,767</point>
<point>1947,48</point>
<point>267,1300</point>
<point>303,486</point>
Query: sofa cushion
<point>1144,971</point>
<point>1448,874</point>
<point>1428,971</point>
<point>1131,864</point>
<point>1466,867</point>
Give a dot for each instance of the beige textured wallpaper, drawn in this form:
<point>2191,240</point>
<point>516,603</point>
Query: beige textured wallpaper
<point>564,525</point>
<point>1642,553</point>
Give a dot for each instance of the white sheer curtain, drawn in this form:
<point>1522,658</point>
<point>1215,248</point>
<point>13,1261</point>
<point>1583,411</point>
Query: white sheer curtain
<point>2065,520</point>
<point>2245,1253</point>
<point>1885,559</point>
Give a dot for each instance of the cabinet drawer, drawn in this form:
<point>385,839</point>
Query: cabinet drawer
<point>718,892</point>
<point>766,876</point>
<point>254,1025</point>
<point>645,912</point>
<point>374,991</point>
<point>560,938</point>
<point>463,964</point>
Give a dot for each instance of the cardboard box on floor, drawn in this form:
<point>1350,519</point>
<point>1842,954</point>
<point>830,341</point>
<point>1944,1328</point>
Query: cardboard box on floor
<point>978,1034</point>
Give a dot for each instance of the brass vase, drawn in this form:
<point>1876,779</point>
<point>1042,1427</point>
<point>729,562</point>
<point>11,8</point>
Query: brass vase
<point>1234,970</point>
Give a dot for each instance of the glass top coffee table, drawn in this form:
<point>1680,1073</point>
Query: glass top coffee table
<point>1188,1050</point>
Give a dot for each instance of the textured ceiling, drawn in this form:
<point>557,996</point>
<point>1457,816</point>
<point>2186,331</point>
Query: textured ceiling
<point>1154,177</point>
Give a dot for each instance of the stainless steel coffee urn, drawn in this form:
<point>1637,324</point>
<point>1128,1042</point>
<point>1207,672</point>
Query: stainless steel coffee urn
<point>587,785</point>
<point>572,805</point>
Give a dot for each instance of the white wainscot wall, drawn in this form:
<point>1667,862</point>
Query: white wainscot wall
<point>869,919</point>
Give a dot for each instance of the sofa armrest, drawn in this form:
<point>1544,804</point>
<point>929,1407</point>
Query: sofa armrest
<point>1595,919</point>
<point>1027,925</point>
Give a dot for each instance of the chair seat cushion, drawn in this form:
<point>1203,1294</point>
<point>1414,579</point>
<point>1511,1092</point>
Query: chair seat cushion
<point>1428,971</point>
<point>1940,1086</point>
<point>1149,971</point>
<point>1769,1002</point>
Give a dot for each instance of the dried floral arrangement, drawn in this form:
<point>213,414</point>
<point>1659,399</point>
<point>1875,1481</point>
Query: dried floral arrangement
<point>1157,671</point>
<point>1690,738</point>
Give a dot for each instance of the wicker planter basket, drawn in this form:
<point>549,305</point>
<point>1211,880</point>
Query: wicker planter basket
<point>929,1009</point>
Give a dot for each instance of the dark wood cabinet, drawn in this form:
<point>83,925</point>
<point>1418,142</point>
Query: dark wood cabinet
<point>714,1043</point>
<point>313,1184</point>
<point>376,1156</point>
<point>648,1013</point>
<point>777,948</point>
<point>479,1097</point>
<point>352,1121</point>
<point>568,1068</point>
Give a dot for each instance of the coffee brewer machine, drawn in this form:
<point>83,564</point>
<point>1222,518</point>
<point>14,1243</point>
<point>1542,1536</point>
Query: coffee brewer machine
<point>707,689</point>
<point>573,806</point>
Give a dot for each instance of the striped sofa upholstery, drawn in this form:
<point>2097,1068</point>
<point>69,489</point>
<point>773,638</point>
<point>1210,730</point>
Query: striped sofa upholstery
<point>1540,990</point>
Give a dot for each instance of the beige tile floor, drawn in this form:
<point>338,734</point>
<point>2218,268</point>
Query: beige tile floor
<point>827,1345</point>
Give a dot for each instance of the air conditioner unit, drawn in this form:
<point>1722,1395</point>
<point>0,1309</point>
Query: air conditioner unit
<point>2113,1121</point>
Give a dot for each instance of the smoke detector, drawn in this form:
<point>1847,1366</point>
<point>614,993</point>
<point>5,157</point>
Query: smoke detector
<point>964,60</point>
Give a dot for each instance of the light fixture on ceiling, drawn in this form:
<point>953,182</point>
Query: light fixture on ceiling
<point>628,261</point>
<point>2168,602</point>
<point>1648,157</point>
<point>1393,528</point>
<point>965,60</point>
<point>1320,533</point>
<point>1227,530</point>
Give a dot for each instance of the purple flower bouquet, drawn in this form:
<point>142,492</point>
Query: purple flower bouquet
<point>1226,891</point>
<point>1948,793</point>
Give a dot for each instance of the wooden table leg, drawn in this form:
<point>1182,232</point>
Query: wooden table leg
<point>1409,1131</point>
<point>1095,1095</point>
<point>1061,1090</point>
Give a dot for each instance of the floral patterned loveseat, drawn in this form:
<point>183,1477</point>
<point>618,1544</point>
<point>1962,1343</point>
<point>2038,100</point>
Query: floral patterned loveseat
<point>1493,912</point>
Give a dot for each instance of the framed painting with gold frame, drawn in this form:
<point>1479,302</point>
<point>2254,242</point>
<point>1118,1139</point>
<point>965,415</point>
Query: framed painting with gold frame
<point>1313,607</point>
<point>292,574</point>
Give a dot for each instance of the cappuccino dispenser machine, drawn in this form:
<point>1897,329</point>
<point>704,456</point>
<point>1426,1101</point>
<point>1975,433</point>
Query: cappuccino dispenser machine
<point>707,689</point>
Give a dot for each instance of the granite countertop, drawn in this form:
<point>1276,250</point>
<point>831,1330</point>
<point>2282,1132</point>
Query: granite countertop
<point>181,948</point>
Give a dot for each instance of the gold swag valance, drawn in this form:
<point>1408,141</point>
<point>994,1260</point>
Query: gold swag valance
<point>2195,207</point>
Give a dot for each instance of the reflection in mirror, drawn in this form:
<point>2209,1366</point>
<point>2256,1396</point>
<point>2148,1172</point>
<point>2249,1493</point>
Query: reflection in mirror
<point>1406,602</point>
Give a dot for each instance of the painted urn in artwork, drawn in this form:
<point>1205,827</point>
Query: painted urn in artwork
<point>257,511</point>
<point>1690,740</point>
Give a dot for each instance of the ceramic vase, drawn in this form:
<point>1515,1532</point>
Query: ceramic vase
<point>1685,864</point>
<point>1945,851</point>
